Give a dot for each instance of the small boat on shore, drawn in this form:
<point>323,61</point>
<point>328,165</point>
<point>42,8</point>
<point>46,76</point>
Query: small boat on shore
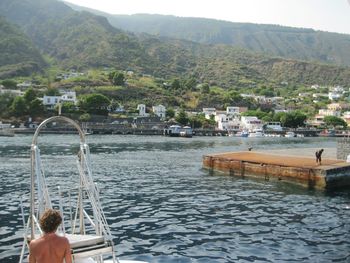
<point>242,133</point>
<point>186,132</point>
<point>84,223</point>
<point>290,134</point>
<point>256,133</point>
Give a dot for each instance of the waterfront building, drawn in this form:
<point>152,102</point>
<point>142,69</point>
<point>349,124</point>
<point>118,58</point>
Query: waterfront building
<point>142,110</point>
<point>227,122</point>
<point>251,123</point>
<point>208,112</point>
<point>317,120</point>
<point>159,111</point>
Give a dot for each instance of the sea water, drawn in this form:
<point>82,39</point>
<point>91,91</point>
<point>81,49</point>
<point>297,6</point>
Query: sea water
<point>163,207</point>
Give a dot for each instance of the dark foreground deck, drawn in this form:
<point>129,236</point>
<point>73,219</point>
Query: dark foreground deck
<point>301,170</point>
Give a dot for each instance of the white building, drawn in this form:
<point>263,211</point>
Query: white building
<point>16,92</point>
<point>326,112</point>
<point>67,96</point>
<point>159,110</point>
<point>337,89</point>
<point>209,112</point>
<point>227,122</point>
<point>334,95</point>
<point>51,101</point>
<point>251,123</point>
<point>142,110</point>
<point>24,85</point>
<point>233,110</point>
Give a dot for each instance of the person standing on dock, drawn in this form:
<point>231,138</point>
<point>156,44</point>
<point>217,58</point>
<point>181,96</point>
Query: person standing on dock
<point>50,247</point>
<point>319,156</point>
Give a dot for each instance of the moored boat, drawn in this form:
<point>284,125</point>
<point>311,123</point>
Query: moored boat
<point>290,134</point>
<point>256,133</point>
<point>243,133</point>
<point>186,132</point>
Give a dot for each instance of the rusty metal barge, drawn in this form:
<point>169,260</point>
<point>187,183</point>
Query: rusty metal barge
<point>304,171</point>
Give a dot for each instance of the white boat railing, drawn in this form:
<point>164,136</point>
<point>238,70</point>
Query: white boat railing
<point>94,240</point>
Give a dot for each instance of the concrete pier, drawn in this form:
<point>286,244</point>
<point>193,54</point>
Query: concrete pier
<point>330,174</point>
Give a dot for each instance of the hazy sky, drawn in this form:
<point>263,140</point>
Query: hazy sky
<point>327,15</point>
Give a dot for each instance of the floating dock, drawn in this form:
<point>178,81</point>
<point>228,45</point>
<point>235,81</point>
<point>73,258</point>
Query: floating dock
<point>300,170</point>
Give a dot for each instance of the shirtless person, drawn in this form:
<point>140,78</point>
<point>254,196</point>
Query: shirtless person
<point>50,248</point>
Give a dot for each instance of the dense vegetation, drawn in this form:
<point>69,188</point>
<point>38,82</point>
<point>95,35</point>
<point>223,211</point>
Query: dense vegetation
<point>18,55</point>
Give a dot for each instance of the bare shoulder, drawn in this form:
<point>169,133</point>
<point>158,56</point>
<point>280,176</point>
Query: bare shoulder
<point>63,239</point>
<point>34,242</point>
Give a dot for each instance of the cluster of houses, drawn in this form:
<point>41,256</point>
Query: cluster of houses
<point>229,119</point>
<point>341,110</point>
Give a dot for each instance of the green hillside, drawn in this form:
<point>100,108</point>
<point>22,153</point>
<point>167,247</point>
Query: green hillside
<point>81,40</point>
<point>297,43</point>
<point>18,55</point>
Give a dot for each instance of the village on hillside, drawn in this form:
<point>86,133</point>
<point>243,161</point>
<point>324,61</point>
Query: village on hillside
<point>102,114</point>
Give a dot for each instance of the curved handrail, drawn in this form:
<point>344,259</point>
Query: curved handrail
<point>34,143</point>
<point>58,118</point>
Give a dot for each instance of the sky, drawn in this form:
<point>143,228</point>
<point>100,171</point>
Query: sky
<point>326,15</point>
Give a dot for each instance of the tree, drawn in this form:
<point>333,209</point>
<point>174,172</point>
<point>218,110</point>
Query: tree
<point>293,119</point>
<point>191,83</point>
<point>116,78</point>
<point>258,113</point>
<point>29,95</point>
<point>205,89</point>
<point>333,121</point>
<point>52,92</point>
<point>9,83</point>
<point>182,118</point>
<point>176,84</point>
<point>85,117</point>
<point>18,107</point>
<point>67,107</point>
<point>199,121</point>
<point>94,103</point>
<point>36,107</point>
<point>6,100</point>
<point>170,113</point>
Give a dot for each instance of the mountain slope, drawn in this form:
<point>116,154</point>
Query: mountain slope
<point>297,43</point>
<point>82,40</point>
<point>18,55</point>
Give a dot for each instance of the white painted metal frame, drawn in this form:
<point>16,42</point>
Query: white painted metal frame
<point>87,187</point>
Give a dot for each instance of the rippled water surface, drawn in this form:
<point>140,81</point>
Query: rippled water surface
<point>162,207</point>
